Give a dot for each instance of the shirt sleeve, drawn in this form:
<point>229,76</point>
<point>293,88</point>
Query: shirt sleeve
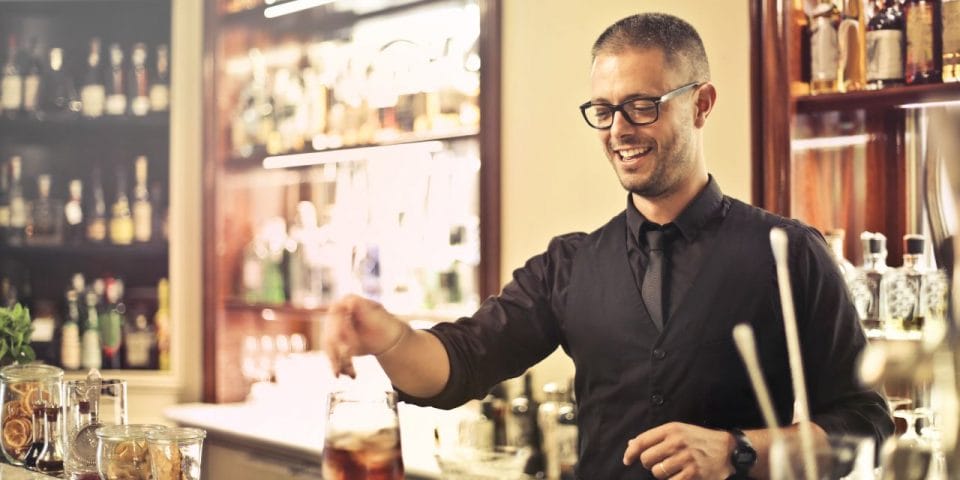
<point>832,341</point>
<point>508,334</point>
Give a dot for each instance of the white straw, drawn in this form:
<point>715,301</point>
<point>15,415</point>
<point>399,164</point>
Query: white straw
<point>743,337</point>
<point>778,241</point>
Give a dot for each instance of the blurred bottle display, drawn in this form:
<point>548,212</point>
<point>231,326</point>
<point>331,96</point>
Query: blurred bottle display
<point>885,45</point>
<point>824,47</point>
<point>138,80</point>
<point>93,91</point>
<point>852,74</point>
<point>45,225</point>
<point>924,52</point>
<point>865,283</point>
<point>950,18</point>
<point>914,293</point>
<point>58,95</point>
<point>142,206</point>
<point>75,225</point>
<point>160,84</point>
<point>16,235</point>
<point>116,83</point>
<point>11,84</point>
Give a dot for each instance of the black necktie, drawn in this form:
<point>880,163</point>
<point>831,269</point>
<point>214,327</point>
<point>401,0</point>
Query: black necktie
<point>652,287</point>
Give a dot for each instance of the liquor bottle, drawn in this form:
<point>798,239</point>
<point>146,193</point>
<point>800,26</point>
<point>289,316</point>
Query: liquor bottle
<point>161,319</point>
<point>138,79</point>
<point>852,74</point>
<point>112,318</point>
<point>950,26</point>
<point>160,84</point>
<point>121,219</point>
<point>58,94</point>
<point>824,48</point>
<point>32,78</point>
<point>70,333</point>
<point>553,396</point>
<point>885,46</point>
<point>305,275</point>
<point>900,291</point>
<point>865,283</point>
<point>93,92</point>
<point>159,229</point>
<point>50,460</point>
<point>73,214</point>
<point>90,340</point>
<point>835,240</point>
<point>567,436</point>
<point>924,57</point>
<point>142,208</point>
<point>11,85</point>
<point>140,343</point>
<point>116,83</point>
<point>45,226</point>
<point>4,201</point>
<point>16,235</point>
<point>97,223</point>
<point>536,464</point>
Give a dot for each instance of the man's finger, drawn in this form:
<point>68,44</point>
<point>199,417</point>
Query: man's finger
<point>645,440</point>
<point>657,453</point>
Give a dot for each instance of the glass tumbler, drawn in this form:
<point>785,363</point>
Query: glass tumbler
<point>362,437</point>
<point>85,409</point>
<point>23,389</point>
<point>122,452</point>
<point>842,458</point>
<point>175,453</point>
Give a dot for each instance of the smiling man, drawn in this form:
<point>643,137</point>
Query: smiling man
<point>645,305</point>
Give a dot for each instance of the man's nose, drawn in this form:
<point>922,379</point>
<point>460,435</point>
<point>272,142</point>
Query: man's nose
<point>620,124</point>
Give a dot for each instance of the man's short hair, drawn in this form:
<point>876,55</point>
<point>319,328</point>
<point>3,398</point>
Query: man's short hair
<point>677,39</point>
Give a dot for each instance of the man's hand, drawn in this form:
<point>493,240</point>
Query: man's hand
<point>358,326</point>
<point>681,451</point>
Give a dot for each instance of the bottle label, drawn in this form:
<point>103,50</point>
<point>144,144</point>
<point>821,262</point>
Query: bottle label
<point>116,104</point>
<point>4,216</point>
<point>31,87</point>
<point>159,98</point>
<point>93,98</point>
<point>884,55</point>
<point>18,213</point>
<point>824,51</point>
<point>73,212</point>
<point>11,92</point>
<point>142,213</point>
<point>97,230</point>
<point>138,349</point>
<point>140,106</point>
<point>950,13</point>
<point>121,231</point>
<point>70,346</point>
<point>919,20</point>
<point>43,328</point>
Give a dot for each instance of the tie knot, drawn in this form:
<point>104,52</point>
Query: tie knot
<point>657,238</point>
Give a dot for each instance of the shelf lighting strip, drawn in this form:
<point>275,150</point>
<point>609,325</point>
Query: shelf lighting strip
<point>829,142</point>
<point>385,152</point>
<point>292,7</point>
<point>945,103</point>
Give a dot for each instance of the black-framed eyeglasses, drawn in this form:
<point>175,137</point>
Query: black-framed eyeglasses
<point>638,111</point>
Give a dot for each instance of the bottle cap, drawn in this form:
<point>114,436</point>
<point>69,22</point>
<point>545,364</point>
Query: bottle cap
<point>913,244</point>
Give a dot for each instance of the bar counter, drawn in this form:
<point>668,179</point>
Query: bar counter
<point>10,472</point>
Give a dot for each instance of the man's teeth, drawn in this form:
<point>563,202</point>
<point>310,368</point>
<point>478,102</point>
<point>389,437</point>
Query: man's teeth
<point>633,152</point>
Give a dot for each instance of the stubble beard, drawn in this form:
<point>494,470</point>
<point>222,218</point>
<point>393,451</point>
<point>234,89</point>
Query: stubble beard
<point>670,168</point>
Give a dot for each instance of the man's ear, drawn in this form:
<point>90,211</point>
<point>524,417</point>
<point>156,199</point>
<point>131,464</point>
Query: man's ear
<point>706,98</point>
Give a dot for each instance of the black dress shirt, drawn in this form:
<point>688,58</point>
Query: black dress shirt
<point>582,294</point>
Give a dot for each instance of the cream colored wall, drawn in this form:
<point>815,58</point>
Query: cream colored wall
<point>555,178</point>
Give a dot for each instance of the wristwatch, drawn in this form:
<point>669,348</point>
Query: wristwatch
<point>744,457</point>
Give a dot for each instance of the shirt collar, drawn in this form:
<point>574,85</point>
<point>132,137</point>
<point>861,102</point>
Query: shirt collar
<point>705,206</point>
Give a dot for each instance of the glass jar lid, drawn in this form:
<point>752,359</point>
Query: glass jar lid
<point>127,432</point>
<point>30,372</point>
<point>176,435</point>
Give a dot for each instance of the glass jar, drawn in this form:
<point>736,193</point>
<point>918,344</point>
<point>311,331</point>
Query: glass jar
<point>122,451</point>
<point>87,406</point>
<point>175,453</point>
<point>23,389</point>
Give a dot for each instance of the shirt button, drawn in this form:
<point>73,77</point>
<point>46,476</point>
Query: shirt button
<point>659,354</point>
<point>657,399</point>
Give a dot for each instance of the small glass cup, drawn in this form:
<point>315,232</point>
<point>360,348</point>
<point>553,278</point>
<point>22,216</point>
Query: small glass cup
<point>122,452</point>
<point>85,409</point>
<point>24,388</point>
<point>175,453</point>
<point>843,457</point>
<point>362,436</point>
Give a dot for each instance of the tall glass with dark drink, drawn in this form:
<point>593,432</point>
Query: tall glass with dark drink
<point>362,440</point>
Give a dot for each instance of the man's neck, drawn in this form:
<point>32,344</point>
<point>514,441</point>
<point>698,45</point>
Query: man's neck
<point>663,210</point>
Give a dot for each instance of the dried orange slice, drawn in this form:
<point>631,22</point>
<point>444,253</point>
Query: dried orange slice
<point>14,408</point>
<point>21,388</point>
<point>32,397</point>
<point>16,435</point>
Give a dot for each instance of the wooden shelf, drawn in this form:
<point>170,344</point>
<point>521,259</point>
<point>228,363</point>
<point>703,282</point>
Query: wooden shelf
<point>318,18</point>
<point>255,161</point>
<point>152,251</point>
<point>878,99</point>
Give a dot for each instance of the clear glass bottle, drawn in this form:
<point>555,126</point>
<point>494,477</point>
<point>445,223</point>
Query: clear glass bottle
<point>139,81</point>
<point>852,44</point>
<point>46,226</point>
<point>121,218</point>
<point>111,323</point>
<point>70,333</point>
<point>900,292</point>
<point>824,48</point>
<point>97,223</point>
<point>17,233</point>
<point>11,83</point>
<point>116,82</point>
<point>885,44</point>
<point>58,94</point>
<point>39,434</point>
<point>142,206</point>
<point>50,460</point>
<point>865,283</point>
<point>160,85</point>
<point>93,92</point>
<point>74,225</point>
<point>140,343</point>
<point>90,339</point>
<point>4,201</point>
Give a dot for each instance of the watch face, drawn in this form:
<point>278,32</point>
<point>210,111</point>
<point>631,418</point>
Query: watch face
<point>744,457</point>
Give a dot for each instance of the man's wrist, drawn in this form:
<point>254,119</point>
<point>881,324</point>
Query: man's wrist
<point>743,457</point>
